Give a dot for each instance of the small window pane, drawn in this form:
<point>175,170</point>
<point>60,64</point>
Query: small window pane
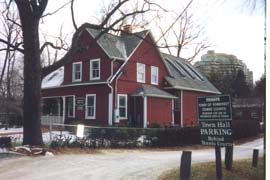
<point>90,101</point>
<point>122,101</point>
<point>122,112</point>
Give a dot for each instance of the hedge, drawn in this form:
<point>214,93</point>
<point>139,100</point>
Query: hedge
<point>245,128</point>
<point>149,137</point>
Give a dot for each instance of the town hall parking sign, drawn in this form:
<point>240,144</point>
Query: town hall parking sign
<point>215,116</point>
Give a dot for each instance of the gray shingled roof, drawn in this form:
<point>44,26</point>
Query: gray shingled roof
<point>119,47</point>
<point>148,90</point>
<point>184,76</point>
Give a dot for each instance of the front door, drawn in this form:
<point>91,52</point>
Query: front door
<point>137,111</point>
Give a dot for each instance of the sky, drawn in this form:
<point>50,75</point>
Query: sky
<point>230,25</point>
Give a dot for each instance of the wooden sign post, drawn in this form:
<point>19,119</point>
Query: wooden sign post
<point>215,116</point>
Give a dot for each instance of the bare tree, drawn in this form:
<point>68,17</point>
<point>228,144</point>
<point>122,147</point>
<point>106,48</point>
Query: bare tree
<point>182,34</point>
<point>31,12</point>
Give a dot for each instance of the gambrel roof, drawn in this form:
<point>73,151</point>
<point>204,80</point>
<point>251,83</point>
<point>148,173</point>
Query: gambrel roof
<point>184,76</point>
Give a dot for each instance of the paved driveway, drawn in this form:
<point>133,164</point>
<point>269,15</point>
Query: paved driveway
<point>111,165</point>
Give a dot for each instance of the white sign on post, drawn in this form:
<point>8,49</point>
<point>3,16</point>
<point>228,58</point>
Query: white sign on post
<point>80,130</point>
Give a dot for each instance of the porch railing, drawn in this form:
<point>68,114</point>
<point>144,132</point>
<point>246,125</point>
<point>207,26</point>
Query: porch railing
<point>47,120</point>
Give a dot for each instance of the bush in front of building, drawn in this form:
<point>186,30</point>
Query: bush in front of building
<point>5,142</point>
<point>245,128</point>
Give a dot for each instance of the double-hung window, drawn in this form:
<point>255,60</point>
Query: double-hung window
<point>76,71</point>
<point>141,72</point>
<point>122,105</point>
<point>95,69</point>
<point>90,109</point>
<point>154,75</point>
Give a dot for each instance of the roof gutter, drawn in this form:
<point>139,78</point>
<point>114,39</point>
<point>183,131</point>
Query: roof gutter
<point>191,89</point>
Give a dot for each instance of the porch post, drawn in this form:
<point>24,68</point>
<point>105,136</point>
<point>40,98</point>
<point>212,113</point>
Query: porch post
<point>181,109</point>
<point>172,111</point>
<point>64,109</point>
<point>110,109</point>
<point>144,111</point>
<point>59,108</point>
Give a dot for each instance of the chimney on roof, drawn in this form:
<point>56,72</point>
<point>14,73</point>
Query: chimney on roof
<point>211,52</point>
<point>127,29</point>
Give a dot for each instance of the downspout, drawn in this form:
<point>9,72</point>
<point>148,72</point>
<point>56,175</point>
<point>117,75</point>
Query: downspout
<point>115,95</point>
<point>110,99</point>
<point>117,76</point>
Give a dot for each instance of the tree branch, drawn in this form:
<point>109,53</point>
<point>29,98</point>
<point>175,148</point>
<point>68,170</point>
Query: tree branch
<point>52,45</point>
<point>56,11</point>
<point>15,47</point>
<point>109,15</point>
<point>72,16</point>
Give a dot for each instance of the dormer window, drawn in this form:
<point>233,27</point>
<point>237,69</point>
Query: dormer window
<point>141,72</point>
<point>95,69</point>
<point>77,72</point>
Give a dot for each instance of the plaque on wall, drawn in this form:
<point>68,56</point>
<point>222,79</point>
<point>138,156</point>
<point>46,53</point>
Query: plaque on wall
<point>80,103</point>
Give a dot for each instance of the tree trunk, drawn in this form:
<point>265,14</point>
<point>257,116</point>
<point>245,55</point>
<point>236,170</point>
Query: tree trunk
<point>32,134</point>
<point>32,86</point>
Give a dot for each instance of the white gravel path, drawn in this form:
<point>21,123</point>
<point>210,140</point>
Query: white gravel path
<point>111,165</point>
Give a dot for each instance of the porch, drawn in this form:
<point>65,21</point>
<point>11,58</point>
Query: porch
<point>57,110</point>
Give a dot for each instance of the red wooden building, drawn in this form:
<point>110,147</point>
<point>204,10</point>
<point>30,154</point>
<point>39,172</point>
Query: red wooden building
<point>124,79</point>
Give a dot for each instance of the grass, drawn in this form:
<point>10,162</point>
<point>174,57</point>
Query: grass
<point>242,170</point>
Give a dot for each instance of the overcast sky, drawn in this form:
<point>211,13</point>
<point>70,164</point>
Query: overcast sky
<point>231,26</point>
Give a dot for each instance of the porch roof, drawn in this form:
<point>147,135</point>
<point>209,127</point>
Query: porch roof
<point>151,91</point>
<point>53,79</point>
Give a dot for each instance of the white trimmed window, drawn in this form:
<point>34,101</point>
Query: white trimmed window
<point>141,72</point>
<point>154,75</point>
<point>122,105</point>
<point>76,71</point>
<point>90,109</point>
<point>95,69</point>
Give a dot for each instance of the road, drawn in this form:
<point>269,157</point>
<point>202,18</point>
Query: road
<point>129,164</point>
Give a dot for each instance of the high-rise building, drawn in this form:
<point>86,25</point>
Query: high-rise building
<point>222,64</point>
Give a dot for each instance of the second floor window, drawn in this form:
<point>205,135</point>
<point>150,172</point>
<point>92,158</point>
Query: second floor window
<point>94,69</point>
<point>140,72</point>
<point>154,75</point>
<point>77,71</point>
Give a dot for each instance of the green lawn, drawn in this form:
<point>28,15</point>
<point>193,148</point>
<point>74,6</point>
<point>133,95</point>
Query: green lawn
<point>242,170</point>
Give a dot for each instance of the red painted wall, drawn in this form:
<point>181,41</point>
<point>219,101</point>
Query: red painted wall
<point>101,92</point>
<point>190,107</point>
<point>159,110</point>
<point>147,54</point>
<point>93,51</point>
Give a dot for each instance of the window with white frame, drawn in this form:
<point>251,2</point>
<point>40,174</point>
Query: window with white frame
<point>140,72</point>
<point>122,105</point>
<point>154,75</point>
<point>90,109</point>
<point>77,71</point>
<point>94,69</point>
